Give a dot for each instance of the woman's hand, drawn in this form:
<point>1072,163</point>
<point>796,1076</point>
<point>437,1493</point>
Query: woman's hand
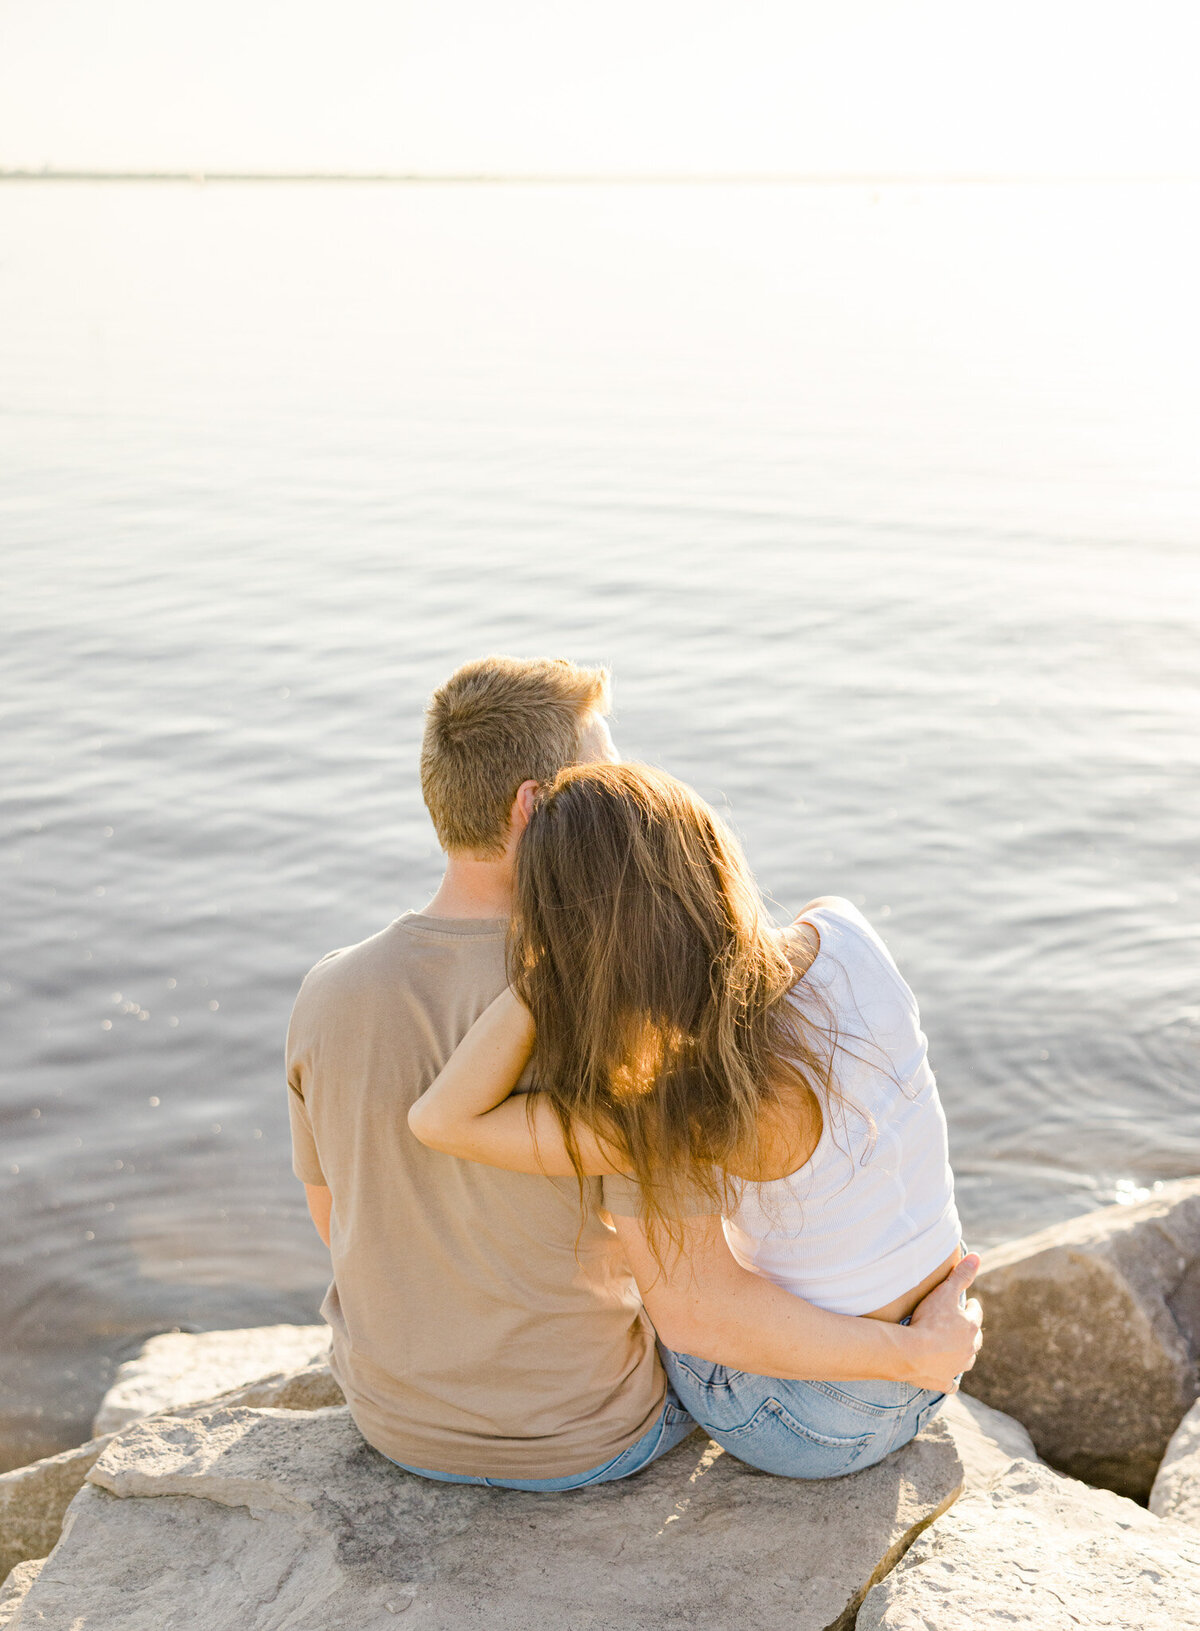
<point>948,1326</point>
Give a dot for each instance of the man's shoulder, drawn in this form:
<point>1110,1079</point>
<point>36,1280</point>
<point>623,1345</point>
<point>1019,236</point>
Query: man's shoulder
<point>343,987</point>
<point>356,964</point>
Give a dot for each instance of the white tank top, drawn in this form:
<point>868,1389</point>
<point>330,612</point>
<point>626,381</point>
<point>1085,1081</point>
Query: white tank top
<point>872,1213</point>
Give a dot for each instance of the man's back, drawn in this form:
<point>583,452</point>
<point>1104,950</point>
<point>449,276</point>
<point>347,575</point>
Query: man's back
<point>480,1325</point>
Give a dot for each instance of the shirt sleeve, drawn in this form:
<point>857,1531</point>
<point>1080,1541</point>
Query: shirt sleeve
<point>306,1163</point>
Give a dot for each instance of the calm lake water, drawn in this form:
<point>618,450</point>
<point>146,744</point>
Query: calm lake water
<point>882,505</point>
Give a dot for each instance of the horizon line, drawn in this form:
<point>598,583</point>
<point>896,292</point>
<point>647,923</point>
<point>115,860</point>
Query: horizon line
<point>608,178</point>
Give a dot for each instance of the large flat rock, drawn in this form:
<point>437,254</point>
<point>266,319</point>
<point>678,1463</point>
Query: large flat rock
<point>34,1499</point>
<point>987,1441</point>
<point>1092,1333</point>
<point>1042,1551</point>
<point>261,1520</point>
<point>183,1368</point>
<point>1176,1492</point>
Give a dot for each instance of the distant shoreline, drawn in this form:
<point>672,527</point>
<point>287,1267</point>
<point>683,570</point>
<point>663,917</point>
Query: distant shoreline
<point>587,179</point>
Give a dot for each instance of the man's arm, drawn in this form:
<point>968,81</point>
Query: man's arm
<point>704,1302</point>
<point>320,1204</point>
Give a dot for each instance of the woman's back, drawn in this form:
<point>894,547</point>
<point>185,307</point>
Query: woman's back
<point>872,1212</point>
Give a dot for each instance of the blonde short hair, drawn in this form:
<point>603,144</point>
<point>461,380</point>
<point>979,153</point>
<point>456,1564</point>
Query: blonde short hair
<point>498,722</point>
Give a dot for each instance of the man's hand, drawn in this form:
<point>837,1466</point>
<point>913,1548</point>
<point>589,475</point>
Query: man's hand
<point>951,1331</point>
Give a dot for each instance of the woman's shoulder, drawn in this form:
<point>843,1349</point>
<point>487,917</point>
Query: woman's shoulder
<point>840,919</point>
<point>834,907</point>
<point>789,1130</point>
<point>856,951</point>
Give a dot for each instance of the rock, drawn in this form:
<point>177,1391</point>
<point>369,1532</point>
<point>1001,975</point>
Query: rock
<point>34,1499</point>
<point>183,1368</point>
<point>312,1388</point>
<point>264,1519</point>
<point>1043,1551</point>
<point>15,1589</point>
<point>1176,1492</point>
<point>987,1441</point>
<point>1091,1336</point>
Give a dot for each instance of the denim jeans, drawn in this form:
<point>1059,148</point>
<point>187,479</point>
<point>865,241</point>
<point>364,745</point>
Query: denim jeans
<point>672,1427</point>
<point>799,1429</point>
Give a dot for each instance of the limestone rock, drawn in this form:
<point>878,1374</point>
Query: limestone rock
<point>182,1368</point>
<point>1091,1335</point>
<point>312,1388</point>
<point>1176,1492</point>
<point>987,1441</point>
<point>1043,1551</point>
<point>15,1589</point>
<point>265,1519</point>
<point>34,1499</point>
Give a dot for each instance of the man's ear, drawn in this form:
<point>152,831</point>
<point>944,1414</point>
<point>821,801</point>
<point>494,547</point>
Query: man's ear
<point>523,804</point>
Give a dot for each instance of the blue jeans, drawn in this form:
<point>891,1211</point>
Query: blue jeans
<point>799,1429</point>
<point>672,1427</point>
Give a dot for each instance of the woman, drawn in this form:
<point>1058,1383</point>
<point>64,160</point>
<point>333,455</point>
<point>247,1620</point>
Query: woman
<point>778,1078</point>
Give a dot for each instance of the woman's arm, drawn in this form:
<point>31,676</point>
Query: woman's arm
<point>468,1112</point>
<point>703,1302</point>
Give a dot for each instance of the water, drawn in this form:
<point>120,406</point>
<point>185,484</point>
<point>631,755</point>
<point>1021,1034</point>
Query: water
<point>882,505</point>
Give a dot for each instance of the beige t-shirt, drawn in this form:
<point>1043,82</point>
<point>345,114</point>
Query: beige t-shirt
<point>481,1322</point>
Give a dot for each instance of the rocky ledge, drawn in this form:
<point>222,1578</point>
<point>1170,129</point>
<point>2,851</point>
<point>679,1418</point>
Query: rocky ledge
<point>1093,1334</point>
<point>261,1509</point>
<point>1038,1549</point>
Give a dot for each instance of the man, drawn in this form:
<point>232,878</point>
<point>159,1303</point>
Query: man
<point>486,1324</point>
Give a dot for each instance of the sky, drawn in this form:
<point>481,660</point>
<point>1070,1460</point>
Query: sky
<point>913,87</point>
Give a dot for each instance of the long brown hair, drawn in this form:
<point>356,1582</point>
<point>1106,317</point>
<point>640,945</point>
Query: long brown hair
<point>657,984</point>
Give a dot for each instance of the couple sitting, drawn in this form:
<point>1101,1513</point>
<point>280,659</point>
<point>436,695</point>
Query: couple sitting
<point>600,1153</point>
